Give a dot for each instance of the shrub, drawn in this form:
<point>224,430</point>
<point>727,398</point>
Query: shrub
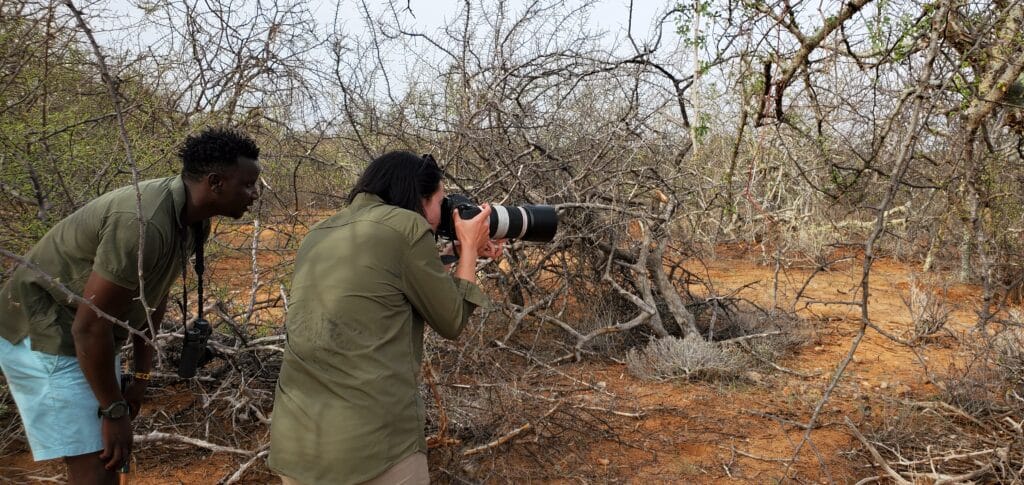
<point>928,312</point>
<point>688,358</point>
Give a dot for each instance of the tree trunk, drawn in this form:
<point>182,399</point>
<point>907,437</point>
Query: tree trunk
<point>686,321</point>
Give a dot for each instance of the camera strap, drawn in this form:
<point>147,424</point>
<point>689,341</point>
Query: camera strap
<point>199,240</point>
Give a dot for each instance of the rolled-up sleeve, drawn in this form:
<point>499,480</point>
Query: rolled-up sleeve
<point>444,301</point>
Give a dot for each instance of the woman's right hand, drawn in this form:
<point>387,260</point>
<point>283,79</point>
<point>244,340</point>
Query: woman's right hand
<point>474,233</point>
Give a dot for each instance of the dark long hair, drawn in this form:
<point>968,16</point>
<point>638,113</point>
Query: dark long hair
<point>401,179</point>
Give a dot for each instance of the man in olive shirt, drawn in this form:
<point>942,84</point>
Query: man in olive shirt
<point>60,358</point>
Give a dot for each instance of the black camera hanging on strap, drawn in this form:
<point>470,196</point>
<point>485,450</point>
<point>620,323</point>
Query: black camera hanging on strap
<point>194,352</point>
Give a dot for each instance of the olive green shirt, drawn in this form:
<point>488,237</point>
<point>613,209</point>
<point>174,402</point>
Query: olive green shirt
<point>347,405</point>
<point>102,236</point>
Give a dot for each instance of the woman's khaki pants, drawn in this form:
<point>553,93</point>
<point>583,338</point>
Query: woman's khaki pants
<point>410,471</point>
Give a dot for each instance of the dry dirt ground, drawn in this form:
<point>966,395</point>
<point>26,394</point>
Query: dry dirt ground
<point>692,432</point>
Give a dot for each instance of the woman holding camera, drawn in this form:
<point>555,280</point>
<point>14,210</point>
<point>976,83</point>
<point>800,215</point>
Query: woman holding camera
<point>347,408</point>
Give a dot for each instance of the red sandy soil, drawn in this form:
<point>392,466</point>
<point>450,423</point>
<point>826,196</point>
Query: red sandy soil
<point>700,432</point>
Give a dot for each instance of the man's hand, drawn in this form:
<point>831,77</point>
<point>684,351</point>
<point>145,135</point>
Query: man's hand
<point>133,393</point>
<point>117,442</point>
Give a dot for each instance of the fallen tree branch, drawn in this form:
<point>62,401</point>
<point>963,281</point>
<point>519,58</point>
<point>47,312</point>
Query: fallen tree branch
<point>531,358</point>
<point>941,479</point>
<point>508,436</point>
<point>759,458</point>
<point>749,337</point>
<point>235,477</point>
<point>875,455</point>
<point>960,456</point>
<point>159,437</point>
<point>952,409</point>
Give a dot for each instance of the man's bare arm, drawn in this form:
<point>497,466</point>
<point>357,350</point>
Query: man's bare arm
<point>94,336</point>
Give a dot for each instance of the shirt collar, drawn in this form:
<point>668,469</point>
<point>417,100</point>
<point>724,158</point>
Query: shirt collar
<point>364,200</point>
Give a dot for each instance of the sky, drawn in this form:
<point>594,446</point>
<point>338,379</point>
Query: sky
<point>429,15</point>
<point>610,15</point>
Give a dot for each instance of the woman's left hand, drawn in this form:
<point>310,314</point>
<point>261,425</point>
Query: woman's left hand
<point>493,249</point>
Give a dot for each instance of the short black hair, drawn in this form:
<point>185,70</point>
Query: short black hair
<point>214,149</point>
<point>401,179</point>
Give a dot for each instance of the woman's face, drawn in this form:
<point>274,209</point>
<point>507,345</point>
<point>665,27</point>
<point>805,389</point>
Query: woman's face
<point>432,207</point>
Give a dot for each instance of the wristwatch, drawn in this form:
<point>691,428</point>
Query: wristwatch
<point>116,410</point>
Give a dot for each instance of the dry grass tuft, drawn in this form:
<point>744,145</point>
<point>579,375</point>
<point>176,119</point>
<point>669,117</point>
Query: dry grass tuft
<point>929,311</point>
<point>690,357</point>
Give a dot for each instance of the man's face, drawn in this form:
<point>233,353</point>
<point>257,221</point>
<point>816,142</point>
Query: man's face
<point>238,187</point>
<point>432,207</point>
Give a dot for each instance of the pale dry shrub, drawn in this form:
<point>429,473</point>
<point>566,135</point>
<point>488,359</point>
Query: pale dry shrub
<point>690,357</point>
<point>929,312</point>
<point>814,242</point>
<point>989,373</point>
<point>977,391</point>
<point>1009,354</point>
<point>801,242</point>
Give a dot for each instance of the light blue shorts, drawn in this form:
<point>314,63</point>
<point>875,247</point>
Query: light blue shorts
<point>56,404</point>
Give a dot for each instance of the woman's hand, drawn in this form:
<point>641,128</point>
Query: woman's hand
<point>488,248</point>
<point>493,249</point>
<point>473,234</point>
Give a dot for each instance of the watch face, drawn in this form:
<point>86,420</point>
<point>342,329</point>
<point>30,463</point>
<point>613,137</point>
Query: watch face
<point>117,410</point>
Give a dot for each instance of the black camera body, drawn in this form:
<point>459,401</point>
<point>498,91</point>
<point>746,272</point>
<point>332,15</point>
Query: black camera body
<point>535,223</point>
<point>194,352</point>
